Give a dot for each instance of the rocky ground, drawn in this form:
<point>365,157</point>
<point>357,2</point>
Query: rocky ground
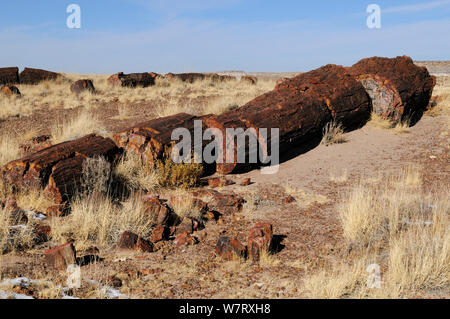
<point>302,202</point>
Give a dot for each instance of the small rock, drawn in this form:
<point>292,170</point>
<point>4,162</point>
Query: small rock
<point>62,256</point>
<point>259,239</point>
<point>159,233</point>
<point>184,239</point>
<point>288,200</point>
<point>10,90</point>
<point>228,248</point>
<point>219,182</point>
<point>81,86</point>
<point>246,182</point>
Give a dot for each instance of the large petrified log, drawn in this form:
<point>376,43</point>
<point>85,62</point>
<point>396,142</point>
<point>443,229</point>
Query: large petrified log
<point>300,108</point>
<point>399,89</point>
<point>35,76</point>
<point>133,79</point>
<point>150,139</point>
<point>9,75</point>
<point>58,168</point>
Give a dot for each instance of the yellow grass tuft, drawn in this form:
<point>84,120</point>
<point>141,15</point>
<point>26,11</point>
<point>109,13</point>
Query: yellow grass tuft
<point>396,225</point>
<point>85,123</point>
<point>333,133</point>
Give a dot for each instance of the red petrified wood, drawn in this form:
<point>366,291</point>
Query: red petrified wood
<point>58,168</point>
<point>133,79</point>
<point>399,89</point>
<point>62,256</point>
<point>300,107</point>
<point>259,240</point>
<point>229,248</point>
<point>82,85</point>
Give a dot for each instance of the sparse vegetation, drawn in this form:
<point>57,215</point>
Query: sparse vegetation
<point>172,174</point>
<point>333,133</point>
<point>400,227</point>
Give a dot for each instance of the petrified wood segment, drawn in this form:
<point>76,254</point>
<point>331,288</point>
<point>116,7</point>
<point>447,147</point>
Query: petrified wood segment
<point>193,77</point>
<point>150,139</point>
<point>58,168</point>
<point>300,107</point>
<point>399,89</point>
<point>10,90</point>
<point>9,75</point>
<point>133,79</point>
<point>82,85</point>
<point>34,76</point>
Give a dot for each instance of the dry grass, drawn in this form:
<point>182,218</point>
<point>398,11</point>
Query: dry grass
<point>441,97</point>
<point>186,207</point>
<point>379,122</point>
<point>83,124</point>
<point>333,133</point>
<point>400,227</point>
<point>9,148</point>
<point>305,199</point>
<point>168,97</point>
<point>136,173</point>
<point>339,179</point>
<point>184,175</point>
<point>96,221</point>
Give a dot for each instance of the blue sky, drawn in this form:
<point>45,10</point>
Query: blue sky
<point>213,35</point>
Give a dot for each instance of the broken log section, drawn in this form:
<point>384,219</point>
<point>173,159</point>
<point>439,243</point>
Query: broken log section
<point>58,168</point>
<point>9,76</point>
<point>399,89</point>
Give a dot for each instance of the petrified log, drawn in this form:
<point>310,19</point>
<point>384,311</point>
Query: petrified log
<point>9,75</point>
<point>151,139</point>
<point>249,79</point>
<point>186,77</point>
<point>58,168</point>
<point>82,85</point>
<point>399,89</point>
<point>300,108</point>
<point>133,79</point>
<point>35,76</point>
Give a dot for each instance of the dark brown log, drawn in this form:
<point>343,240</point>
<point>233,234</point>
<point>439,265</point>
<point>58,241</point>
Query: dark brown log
<point>150,139</point>
<point>35,76</point>
<point>9,76</point>
<point>186,77</point>
<point>133,79</point>
<point>300,108</point>
<point>58,167</point>
<point>399,89</point>
<point>249,79</point>
<point>193,77</point>
<point>82,85</point>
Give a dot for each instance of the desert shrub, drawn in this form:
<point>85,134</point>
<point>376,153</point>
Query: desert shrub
<point>96,175</point>
<point>135,173</point>
<point>96,220</point>
<point>333,133</point>
<point>171,174</point>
